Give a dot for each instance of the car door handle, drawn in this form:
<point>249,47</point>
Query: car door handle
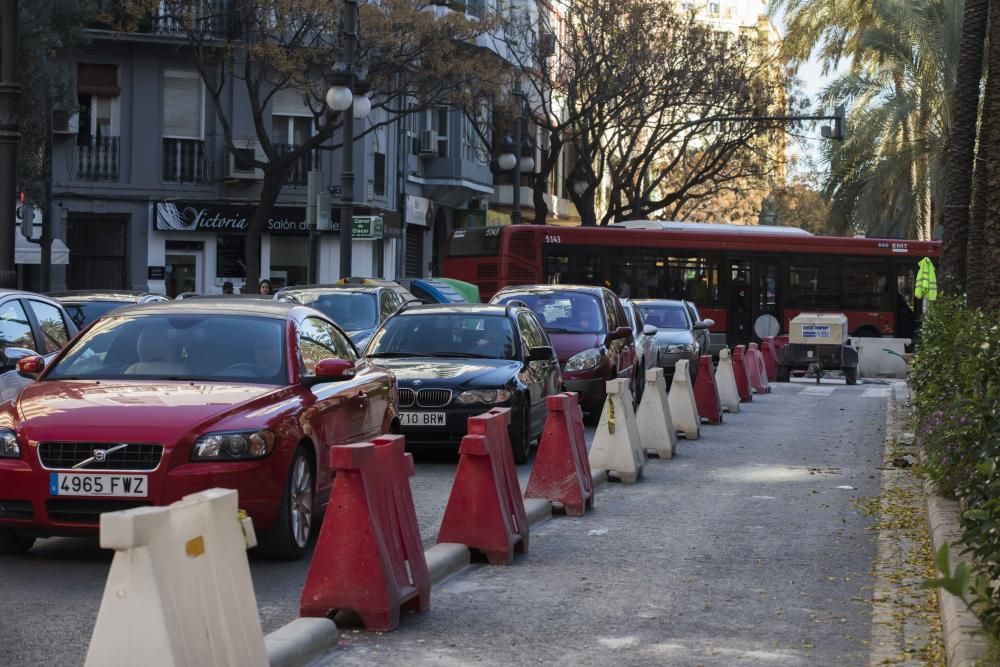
<point>362,397</point>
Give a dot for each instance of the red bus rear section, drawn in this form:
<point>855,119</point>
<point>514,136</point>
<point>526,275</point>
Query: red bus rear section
<point>746,279</point>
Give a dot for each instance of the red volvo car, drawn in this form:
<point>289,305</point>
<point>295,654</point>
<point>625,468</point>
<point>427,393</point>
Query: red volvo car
<point>158,401</point>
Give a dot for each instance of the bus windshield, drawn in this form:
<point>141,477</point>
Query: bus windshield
<point>475,242</point>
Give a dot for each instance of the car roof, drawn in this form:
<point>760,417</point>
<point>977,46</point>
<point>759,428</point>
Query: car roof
<point>453,308</point>
<point>361,289</point>
<point>125,296</point>
<point>223,305</point>
<point>659,302</point>
<point>541,289</point>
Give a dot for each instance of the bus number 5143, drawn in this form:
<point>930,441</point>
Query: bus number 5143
<point>551,238</point>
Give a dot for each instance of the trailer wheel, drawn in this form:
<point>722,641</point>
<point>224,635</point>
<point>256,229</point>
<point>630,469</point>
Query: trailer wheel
<point>784,373</point>
<point>851,375</point>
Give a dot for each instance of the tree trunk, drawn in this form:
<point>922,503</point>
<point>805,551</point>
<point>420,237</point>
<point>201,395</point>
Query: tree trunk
<point>550,159</point>
<point>923,182</point>
<point>255,231</point>
<point>962,146</point>
<point>988,296</point>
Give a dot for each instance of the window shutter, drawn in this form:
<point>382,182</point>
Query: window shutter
<point>92,79</point>
<point>289,102</point>
<point>183,111</point>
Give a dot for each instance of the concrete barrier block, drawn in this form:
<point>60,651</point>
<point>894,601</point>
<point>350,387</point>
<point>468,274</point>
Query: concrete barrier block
<point>617,447</point>
<point>683,409</point>
<point>656,427</point>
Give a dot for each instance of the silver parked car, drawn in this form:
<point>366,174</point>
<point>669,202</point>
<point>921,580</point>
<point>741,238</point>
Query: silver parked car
<point>644,335</point>
<point>677,335</point>
<point>30,324</point>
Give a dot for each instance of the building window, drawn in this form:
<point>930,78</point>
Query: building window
<point>98,98</point>
<point>378,175</point>
<point>287,132</point>
<point>713,8</point>
<point>183,127</point>
<point>439,123</point>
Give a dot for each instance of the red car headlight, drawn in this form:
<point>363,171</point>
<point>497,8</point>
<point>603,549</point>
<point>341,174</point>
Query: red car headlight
<point>234,445</point>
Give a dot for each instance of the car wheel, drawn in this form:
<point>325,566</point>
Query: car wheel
<point>14,543</point>
<point>520,434</point>
<point>851,375</point>
<point>289,538</point>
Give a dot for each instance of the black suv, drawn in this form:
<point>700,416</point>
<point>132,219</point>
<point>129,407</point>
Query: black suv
<point>452,361</point>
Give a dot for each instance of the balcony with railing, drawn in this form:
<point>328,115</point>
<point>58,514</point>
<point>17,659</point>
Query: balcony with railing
<point>299,174</point>
<point>167,17</point>
<point>184,161</point>
<point>97,158</point>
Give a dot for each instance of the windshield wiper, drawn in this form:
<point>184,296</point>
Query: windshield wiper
<point>461,355</point>
<point>398,354</point>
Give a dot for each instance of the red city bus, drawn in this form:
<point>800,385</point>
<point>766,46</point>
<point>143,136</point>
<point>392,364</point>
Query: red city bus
<point>750,280</point>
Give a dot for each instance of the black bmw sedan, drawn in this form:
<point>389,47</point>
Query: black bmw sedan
<point>452,361</point>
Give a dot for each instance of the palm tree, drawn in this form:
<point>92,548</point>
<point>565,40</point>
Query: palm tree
<point>981,291</point>
<point>902,54</point>
<point>961,148</point>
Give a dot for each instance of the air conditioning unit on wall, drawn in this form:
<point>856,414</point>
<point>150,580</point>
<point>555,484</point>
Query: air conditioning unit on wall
<point>428,142</point>
<point>240,167</point>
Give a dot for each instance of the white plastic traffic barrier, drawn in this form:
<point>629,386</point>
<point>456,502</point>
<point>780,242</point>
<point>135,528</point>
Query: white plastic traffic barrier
<point>179,591</point>
<point>616,446</point>
<point>725,380</point>
<point>656,428</point>
<point>683,409</point>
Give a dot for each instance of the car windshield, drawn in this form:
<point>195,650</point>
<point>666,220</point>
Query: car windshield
<point>216,348</point>
<point>665,317</point>
<point>353,311</point>
<point>445,335</point>
<point>86,312</point>
<point>562,312</point>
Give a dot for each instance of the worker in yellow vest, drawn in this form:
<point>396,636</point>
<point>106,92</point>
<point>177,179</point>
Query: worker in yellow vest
<point>926,287</point>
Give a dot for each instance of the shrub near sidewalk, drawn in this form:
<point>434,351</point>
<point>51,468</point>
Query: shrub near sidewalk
<point>956,381</point>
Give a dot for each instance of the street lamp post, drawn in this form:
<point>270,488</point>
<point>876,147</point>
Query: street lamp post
<point>517,156</point>
<point>10,134</point>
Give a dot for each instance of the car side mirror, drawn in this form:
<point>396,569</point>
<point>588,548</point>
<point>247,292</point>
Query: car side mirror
<point>649,330</point>
<point>29,366</point>
<point>710,322</point>
<point>11,355</point>
<point>541,353</point>
<point>330,370</point>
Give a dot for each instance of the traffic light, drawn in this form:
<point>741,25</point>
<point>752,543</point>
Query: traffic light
<point>839,129</point>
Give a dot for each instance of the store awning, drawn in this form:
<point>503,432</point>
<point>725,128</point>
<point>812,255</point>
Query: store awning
<point>26,252</point>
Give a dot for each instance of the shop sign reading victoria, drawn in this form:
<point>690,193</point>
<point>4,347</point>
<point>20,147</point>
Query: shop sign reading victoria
<point>180,216</point>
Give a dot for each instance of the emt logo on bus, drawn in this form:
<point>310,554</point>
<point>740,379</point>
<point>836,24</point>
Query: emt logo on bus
<point>896,247</point>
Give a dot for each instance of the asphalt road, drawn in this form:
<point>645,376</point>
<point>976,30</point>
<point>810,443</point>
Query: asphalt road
<point>741,548</point>
<point>49,598</point>
<point>746,548</point>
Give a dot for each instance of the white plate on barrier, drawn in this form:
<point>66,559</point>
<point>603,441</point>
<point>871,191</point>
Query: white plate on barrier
<point>422,419</point>
<point>86,484</point>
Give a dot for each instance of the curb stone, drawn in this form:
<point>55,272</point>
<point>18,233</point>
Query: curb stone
<point>964,645</point>
<point>306,639</point>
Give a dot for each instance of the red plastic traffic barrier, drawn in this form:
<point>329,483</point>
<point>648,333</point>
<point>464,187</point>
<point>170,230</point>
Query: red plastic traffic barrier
<point>706,392</point>
<point>369,557</point>
<point>742,378</point>
<point>485,509</point>
<point>561,472</point>
<point>770,356</point>
<point>755,369</point>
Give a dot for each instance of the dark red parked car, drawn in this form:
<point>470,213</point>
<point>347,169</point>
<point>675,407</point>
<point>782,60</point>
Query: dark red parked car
<point>590,333</point>
<point>158,401</point>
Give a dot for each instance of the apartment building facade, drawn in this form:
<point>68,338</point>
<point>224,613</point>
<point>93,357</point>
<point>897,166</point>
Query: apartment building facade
<point>147,196</point>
